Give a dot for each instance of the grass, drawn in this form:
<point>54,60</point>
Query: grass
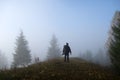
<point>56,69</point>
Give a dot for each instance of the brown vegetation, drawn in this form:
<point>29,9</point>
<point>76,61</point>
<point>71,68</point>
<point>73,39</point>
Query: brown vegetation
<point>76,69</point>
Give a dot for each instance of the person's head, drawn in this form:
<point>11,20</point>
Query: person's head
<point>67,43</point>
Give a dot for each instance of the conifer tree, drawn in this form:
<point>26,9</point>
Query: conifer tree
<point>53,50</point>
<point>22,56</point>
<point>114,45</point>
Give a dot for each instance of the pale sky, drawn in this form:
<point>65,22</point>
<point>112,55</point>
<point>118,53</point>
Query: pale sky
<point>84,24</point>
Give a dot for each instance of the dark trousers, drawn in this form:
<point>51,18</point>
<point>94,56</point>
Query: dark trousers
<point>66,58</point>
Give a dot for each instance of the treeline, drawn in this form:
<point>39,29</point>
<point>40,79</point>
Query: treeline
<point>3,61</point>
<point>101,57</point>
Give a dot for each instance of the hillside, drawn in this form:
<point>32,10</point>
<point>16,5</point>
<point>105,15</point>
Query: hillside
<point>76,69</point>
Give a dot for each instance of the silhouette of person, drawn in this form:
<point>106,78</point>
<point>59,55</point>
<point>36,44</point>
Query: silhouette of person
<point>66,51</point>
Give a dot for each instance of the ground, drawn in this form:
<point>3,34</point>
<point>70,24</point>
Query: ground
<point>57,69</point>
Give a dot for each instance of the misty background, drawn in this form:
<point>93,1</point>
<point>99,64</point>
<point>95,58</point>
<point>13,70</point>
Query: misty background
<point>83,24</point>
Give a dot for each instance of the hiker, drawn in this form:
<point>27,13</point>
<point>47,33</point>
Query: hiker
<point>66,51</point>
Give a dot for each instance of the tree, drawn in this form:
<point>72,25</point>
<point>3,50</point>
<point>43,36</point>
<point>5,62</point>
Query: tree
<point>87,56</point>
<point>22,54</point>
<point>53,50</point>
<point>3,61</point>
<point>114,45</point>
<point>101,58</point>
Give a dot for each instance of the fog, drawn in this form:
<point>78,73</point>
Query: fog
<point>80,23</point>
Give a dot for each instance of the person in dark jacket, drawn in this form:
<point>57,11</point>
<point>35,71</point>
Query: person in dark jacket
<point>66,51</point>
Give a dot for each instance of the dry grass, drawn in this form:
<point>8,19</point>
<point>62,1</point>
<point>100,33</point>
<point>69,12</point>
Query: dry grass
<point>56,69</point>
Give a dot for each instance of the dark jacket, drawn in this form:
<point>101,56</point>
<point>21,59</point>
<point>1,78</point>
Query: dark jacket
<point>66,49</point>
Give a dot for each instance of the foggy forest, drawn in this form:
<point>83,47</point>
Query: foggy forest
<point>59,39</point>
